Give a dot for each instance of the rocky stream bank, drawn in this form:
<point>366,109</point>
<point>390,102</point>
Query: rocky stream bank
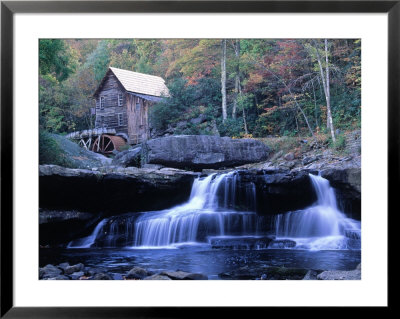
<point>65,271</point>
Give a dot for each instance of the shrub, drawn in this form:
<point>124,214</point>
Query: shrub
<point>187,101</point>
<point>231,127</point>
<point>340,143</point>
<point>172,109</point>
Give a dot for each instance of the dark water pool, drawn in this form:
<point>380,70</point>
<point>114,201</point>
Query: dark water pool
<point>200,259</point>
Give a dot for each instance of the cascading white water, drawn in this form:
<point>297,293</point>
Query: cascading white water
<point>88,241</point>
<point>208,212</point>
<point>181,223</point>
<point>211,212</point>
<point>321,226</point>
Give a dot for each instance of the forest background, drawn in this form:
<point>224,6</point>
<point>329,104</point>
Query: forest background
<point>242,88</point>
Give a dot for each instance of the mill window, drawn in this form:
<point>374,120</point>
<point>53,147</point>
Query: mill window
<point>102,101</point>
<point>119,115</point>
<point>120,100</point>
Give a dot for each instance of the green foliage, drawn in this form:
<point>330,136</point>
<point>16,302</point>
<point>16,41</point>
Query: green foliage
<point>142,66</point>
<point>99,60</point>
<point>231,127</point>
<point>290,133</point>
<point>161,116</point>
<point>276,78</point>
<point>50,151</point>
<point>187,102</point>
<point>340,143</point>
<point>52,101</point>
<point>170,110</point>
<point>53,59</point>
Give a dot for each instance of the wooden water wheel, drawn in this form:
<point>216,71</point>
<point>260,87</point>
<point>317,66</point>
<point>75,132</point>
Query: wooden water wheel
<point>106,144</point>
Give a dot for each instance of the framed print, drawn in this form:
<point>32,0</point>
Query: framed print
<point>160,155</point>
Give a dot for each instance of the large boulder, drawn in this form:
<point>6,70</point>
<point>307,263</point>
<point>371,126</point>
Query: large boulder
<point>137,273</point>
<point>131,157</point>
<point>75,268</point>
<point>77,275</point>
<point>202,151</point>
<point>49,271</point>
<point>80,157</point>
<point>102,276</point>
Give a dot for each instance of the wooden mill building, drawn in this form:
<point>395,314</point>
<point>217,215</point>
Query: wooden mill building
<point>123,99</point>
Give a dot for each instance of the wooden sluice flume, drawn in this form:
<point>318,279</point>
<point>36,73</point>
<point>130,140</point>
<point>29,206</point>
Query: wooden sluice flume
<point>100,140</point>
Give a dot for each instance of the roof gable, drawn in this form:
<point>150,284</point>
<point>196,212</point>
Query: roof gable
<point>104,81</point>
<point>138,82</point>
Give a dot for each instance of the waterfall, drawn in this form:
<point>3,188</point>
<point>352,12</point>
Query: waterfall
<point>210,211</point>
<point>223,206</point>
<point>205,214</point>
<point>87,242</point>
<point>320,226</point>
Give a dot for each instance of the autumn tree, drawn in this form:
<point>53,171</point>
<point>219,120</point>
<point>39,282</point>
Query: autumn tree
<point>255,87</point>
<point>326,85</point>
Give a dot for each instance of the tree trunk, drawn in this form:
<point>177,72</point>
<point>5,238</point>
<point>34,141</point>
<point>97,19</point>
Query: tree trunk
<point>237,78</point>
<point>315,105</point>
<point>243,114</point>
<point>223,80</point>
<point>328,98</point>
<point>245,123</point>
<point>325,84</point>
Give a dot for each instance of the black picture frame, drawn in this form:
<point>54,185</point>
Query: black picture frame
<point>9,8</point>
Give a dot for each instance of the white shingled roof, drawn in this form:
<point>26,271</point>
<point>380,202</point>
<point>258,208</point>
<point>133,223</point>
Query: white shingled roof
<point>141,83</point>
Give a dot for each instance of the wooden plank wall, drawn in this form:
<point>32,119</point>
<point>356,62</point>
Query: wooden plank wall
<point>110,90</point>
<point>138,123</point>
